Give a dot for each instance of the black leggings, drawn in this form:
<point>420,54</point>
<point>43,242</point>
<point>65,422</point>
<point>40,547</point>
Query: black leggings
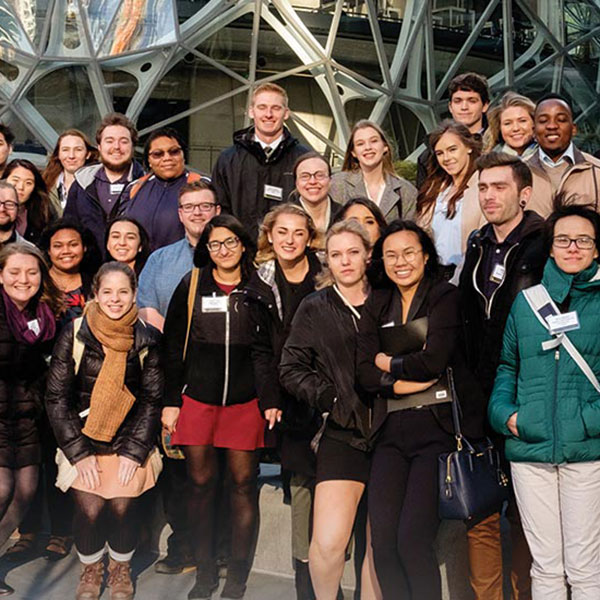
<point>17,488</point>
<point>203,474</point>
<point>98,521</point>
<point>403,505</point>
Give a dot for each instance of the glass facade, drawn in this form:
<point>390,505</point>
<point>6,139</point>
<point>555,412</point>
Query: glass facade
<point>191,63</point>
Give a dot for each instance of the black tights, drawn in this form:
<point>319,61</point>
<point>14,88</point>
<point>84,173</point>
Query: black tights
<point>203,472</point>
<point>17,488</point>
<point>98,521</point>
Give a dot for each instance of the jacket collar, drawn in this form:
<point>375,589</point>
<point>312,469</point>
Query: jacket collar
<point>245,139</point>
<point>559,284</point>
<point>391,192</point>
<point>419,297</point>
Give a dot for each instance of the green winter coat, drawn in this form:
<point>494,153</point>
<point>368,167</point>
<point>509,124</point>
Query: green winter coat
<point>558,409</point>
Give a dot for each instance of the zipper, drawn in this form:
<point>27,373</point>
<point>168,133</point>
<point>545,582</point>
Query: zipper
<point>554,424</point>
<point>227,337</point>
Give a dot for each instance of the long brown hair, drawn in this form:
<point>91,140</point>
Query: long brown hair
<point>492,136</point>
<point>351,163</point>
<point>38,204</point>
<point>437,179</point>
<point>48,292</point>
<point>54,167</point>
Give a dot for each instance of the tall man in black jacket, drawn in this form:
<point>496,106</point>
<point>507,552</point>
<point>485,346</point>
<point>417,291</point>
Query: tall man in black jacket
<point>502,258</point>
<point>255,174</point>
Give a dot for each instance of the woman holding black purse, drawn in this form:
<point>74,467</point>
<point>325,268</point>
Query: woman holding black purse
<point>410,300</point>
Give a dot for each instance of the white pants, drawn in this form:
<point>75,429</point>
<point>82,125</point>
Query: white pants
<point>560,512</point>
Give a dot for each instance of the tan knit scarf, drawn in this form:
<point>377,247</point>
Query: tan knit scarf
<point>111,400</point>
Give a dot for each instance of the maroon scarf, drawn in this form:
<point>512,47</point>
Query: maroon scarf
<point>28,330</point>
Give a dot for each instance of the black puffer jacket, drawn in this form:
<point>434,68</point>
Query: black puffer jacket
<point>439,301</point>
<point>68,394</point>
<point>243,170</point>
<point>318,365</point>
<point>22,375</point>
<point>485,320</point>
<point>218,366</point>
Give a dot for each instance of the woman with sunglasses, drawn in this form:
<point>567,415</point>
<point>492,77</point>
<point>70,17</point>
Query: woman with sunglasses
<point>207,355</point>
<point>153,199</point>
<point>546,402</point>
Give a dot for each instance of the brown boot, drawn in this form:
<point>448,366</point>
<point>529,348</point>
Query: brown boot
<point>90,581</point>
<point>119,580</point>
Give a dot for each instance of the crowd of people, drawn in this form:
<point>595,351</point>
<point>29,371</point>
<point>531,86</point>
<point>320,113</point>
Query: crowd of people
<point>161,330</point>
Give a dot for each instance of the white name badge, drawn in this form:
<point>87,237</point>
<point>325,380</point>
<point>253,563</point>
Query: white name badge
<point>116,188</point>
<point>564,322</point>
<point>214,304</point>
<point>498,273</point>
<point>34,326</point>
<point>273,192</point>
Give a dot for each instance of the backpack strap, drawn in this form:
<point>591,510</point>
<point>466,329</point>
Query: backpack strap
<point>190,305</point>
<point>542,305</point>
<point>136,186</point>
<point>78,345</point>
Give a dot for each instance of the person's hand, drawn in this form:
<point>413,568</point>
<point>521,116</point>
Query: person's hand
<point>383,362</point>
<point>273,415</point>
<point>512,424</point>
<point>169,417</point>
<point>127,469</point>
<point>89,472</point>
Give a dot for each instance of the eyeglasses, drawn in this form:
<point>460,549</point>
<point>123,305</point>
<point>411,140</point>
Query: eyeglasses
<point>190,207</point>
<point>583,242</point>
<point>409,255</point>
<point>318,175</point>
<point>8,204</point>
<point>230,243</point>
<point>158,154</point>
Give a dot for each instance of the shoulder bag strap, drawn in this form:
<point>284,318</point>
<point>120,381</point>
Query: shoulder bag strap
<point>190,305</point>
<point>78,346</point>
<point>538,297</point>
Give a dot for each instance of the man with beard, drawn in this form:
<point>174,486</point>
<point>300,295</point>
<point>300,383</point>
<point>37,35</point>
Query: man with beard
<point>9,207</point>
<point>559,166</point>
<point>97,193</point>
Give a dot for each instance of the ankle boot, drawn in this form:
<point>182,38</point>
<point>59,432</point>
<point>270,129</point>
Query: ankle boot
<point>90,581</point>
<point>304,588</point>
<point>237,575</point>
<point>207,581</point>
<point>119,580</point>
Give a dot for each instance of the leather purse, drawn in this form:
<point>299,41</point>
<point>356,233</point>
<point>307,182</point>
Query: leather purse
<point>472,484</point>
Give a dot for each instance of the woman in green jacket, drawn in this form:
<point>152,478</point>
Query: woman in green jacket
<point>549,409</point>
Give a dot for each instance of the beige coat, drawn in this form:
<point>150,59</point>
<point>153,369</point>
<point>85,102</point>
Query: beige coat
<point>472,217</point>
<point>580,181</point>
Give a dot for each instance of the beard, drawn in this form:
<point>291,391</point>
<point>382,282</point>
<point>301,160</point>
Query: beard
<point>117,167</point>
<point>4,227</point>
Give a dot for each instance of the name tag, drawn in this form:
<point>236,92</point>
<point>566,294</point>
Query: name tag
<point>34,326</point>
<point>273,192</point>
<point>497,275</point>
<point>116,188</point>
<point>214,304</point>
<point>564,322</point>
<point>441,395</point>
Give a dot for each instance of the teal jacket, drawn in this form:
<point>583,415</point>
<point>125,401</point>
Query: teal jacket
<point>558,409</point>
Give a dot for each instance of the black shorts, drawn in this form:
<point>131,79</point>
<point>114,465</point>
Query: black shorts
<point>339,460</point>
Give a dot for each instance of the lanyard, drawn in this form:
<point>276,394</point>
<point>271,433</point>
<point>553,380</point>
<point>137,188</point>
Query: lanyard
<point>353,310</point>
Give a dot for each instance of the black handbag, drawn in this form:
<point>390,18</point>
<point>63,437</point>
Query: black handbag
<point>472,484</point>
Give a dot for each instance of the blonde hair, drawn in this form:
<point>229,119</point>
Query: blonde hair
<point>270,87</point>
<point>265,251</point>
<point>492,137</point>
<point>325,277</point>
<point>351,163</point>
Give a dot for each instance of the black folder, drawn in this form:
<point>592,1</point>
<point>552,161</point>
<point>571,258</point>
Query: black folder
<point>397,340</point>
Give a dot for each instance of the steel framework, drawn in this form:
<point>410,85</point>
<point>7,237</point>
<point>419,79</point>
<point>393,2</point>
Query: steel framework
<point>555,43</point>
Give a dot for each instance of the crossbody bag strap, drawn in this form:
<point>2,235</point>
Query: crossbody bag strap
<point>455,409</point>
<point>190,306</point>
<point>78,345</point>
<point>538,297</point>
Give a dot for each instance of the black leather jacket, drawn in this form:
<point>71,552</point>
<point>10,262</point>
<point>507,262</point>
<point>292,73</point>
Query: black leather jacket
<point>68,394</point>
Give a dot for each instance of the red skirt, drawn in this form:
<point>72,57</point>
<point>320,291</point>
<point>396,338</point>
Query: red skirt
<point>237,427</point>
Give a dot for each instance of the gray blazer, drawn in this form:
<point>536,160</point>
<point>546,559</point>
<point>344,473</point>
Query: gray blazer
<point>399,200</point>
